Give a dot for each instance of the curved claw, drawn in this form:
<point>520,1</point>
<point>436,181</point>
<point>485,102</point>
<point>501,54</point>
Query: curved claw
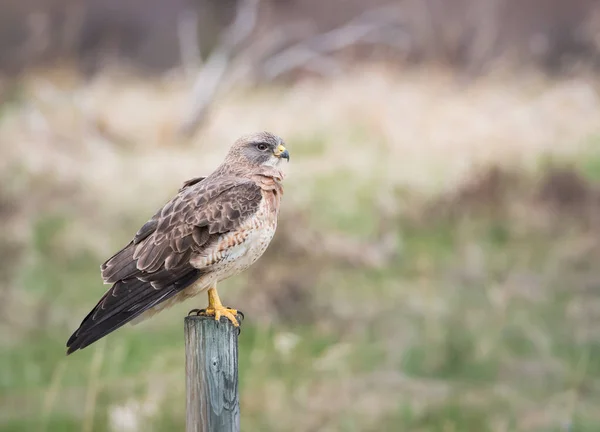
<point>240,316</point>
<point>219,312</point>
<point>233,315</point>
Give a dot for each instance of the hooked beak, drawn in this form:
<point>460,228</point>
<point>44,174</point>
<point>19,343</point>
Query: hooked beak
<point>282,153</point>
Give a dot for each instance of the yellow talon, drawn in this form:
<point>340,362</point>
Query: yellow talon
<point>215,308</point>
<point>223,311</point>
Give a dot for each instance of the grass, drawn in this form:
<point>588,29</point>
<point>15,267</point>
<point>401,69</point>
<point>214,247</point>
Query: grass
<point>484,319</point>
<point>466,351</point>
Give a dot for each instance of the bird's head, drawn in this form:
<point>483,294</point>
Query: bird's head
<point>262,149</point>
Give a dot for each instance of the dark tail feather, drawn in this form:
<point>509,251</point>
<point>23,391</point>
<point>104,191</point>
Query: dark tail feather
<point>81,340</point>
<point>119,306</point>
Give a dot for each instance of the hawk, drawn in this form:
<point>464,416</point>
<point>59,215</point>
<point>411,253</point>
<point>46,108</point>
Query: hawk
<point>214,228</point>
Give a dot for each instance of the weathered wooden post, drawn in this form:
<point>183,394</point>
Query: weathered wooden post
<point>211,364</point>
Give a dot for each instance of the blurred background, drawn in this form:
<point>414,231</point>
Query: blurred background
<point>436,264</point>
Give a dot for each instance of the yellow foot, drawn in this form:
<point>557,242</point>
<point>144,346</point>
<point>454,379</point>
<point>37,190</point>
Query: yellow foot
<point>215,308</point>
<point>218,312</point>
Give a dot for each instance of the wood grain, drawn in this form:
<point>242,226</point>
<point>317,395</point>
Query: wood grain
<point>212,397</point>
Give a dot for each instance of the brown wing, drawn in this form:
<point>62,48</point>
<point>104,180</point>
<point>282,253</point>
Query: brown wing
<point>191,182</point>
<point>154,266</point>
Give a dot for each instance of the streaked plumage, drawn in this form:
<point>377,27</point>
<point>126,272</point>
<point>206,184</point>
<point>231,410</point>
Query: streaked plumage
<point>214,228</point>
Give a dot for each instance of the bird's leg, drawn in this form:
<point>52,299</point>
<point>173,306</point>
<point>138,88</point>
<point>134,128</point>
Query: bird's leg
<point>215,308</point>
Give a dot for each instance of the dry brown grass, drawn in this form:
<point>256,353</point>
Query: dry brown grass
<point>422,129</point>
<point>96,147</point>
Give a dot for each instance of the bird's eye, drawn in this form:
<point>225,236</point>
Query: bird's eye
<point>262,146</point>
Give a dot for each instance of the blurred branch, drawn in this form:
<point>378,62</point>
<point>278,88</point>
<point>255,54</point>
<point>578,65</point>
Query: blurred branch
<point>247,64</point>
<point>273,56</point>
<point>189,47</point>
<point>207,84</point>
<point>486,23</point>
<point>210,77</point>
<point>72,27</point>
<point>428,16</point>
<point>360,29</point>
<point>396,38</point>
<point>243,24</point>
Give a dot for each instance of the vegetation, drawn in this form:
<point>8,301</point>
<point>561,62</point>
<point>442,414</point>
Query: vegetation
<point>435,268</point>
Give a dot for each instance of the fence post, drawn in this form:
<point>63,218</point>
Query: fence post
<point>211,366</point>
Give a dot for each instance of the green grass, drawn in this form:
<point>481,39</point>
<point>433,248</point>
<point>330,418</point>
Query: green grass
<point>590,162</point>
<point>478,324</point>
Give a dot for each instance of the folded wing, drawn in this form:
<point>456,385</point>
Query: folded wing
<point>155,265</point>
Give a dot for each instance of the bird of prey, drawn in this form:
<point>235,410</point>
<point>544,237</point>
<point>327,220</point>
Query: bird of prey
<point>214,228</point>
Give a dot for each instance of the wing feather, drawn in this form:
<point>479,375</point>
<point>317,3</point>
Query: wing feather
<point>115,310</point>
<point>148,228</point>
<point>176,259</point>
<point>200,235</point>
<point>155,265</point>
